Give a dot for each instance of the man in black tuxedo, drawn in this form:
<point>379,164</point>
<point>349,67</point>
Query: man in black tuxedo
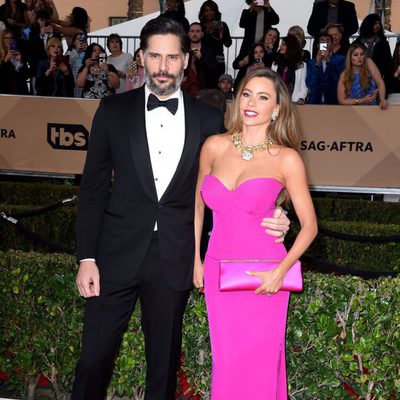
<point>136,241</point>
<point>340,12</point>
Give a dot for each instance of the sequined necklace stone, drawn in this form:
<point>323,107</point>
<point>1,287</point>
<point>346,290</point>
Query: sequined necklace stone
<point>248,151</point>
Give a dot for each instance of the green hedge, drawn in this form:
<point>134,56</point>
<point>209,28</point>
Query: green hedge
<point>42,194</point>
<point>59,227</point>
<point>340,330</point>
<point>376,212</point>
<point>38,193</point>
<point>367,256</point>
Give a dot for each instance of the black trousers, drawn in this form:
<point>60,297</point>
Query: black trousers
<point>105,321</point>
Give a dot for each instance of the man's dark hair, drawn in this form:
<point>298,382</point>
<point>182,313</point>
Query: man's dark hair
<point>114,36</point>
<point>325,34</point>
<point>367,27</point>
<point>164,26</point>
<point>196,23</point>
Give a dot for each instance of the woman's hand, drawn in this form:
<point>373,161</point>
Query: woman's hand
<point>198,276</point>
<point>9,56</point>
<point>89,62</point>
<point>64,69</point>
<point>52,68</point>
<point>369,98</point>
<point>271,281</point>
<point>105,68</point>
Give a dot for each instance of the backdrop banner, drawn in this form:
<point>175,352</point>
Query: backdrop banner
<point>341,146</point>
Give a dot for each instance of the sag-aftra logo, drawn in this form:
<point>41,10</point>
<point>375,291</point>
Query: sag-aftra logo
<point>67,136</point>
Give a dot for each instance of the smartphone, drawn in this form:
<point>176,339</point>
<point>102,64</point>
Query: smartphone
<point>257,60</point>
<point>102,58</point>
<point>13,46</point>
<point>323,47</point>
<point>82,38</point>
<point>133,66</point>
<point>62,60</point>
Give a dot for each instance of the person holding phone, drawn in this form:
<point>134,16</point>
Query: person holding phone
<point>255,21</point>
<point>361,82</point>
<point>97,78</point>
<point>135,76</point>
<point>13,71</point>
<point>54,76</point>
<point>216,33</point>
<point>323,73</point>
<point>76,55</point>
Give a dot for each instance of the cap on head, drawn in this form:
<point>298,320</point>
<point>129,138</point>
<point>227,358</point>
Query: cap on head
<point>225,77</point>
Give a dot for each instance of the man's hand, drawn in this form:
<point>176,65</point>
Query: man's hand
<point>88,279</point>
<point>278,225</point>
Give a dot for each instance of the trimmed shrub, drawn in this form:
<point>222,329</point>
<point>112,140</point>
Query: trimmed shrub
<point>341,330</point>
<point>38,193</point>
<point>57,226</point>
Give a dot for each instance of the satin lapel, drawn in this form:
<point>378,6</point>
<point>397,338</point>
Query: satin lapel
<point>190,148</point>
<point>139,144</point>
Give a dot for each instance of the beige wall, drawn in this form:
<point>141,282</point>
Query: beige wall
<point>362,7</point>
<point>100,10</point>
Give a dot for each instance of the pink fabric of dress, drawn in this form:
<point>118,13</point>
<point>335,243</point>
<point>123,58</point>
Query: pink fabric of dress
<point>247,330</point>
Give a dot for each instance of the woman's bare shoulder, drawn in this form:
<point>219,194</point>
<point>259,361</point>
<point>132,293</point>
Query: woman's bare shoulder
<point>217,141</point>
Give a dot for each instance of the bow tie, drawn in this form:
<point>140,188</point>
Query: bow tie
<point>153,102</point>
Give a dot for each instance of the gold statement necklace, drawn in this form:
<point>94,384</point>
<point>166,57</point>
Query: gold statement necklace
<point>248,151</point>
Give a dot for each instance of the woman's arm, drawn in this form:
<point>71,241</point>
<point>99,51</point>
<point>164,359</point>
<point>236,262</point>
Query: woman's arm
<point>207,156</point>
<point>377,77</point>
<point>341,94</point>
<point>112,76</point>
<point>226,36</point>
<point>65,30</point>
<point>300,91</point>
<point>82,75</point>
<point>293,173</point>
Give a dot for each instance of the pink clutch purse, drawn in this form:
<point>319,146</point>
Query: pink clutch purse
<point>233,277</point>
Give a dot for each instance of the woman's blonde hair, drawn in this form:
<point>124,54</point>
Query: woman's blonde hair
<point>52,41</point>
<point>3,51</point>
<point>285,129</point>
<point>348,76</point>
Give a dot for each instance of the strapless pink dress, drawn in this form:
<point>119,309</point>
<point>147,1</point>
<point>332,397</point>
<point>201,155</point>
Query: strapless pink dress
<point>247,330</point>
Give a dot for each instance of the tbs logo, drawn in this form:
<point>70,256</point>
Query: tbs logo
<point>67,137</point>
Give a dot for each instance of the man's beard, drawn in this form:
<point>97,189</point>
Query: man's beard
<point>167,90</point>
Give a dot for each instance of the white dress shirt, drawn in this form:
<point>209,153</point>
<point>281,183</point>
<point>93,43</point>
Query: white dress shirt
<point>165,137</point>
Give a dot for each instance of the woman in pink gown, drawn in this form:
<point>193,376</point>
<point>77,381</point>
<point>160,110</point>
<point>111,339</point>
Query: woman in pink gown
<point>242,174</point>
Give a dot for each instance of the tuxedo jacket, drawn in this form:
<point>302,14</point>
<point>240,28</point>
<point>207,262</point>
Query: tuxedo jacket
<point>115,223</point>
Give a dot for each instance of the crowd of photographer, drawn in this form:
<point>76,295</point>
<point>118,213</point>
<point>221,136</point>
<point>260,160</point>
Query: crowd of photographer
<point>31,35</point>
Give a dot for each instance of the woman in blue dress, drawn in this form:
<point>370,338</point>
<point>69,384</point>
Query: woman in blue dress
<point>361,82</point>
